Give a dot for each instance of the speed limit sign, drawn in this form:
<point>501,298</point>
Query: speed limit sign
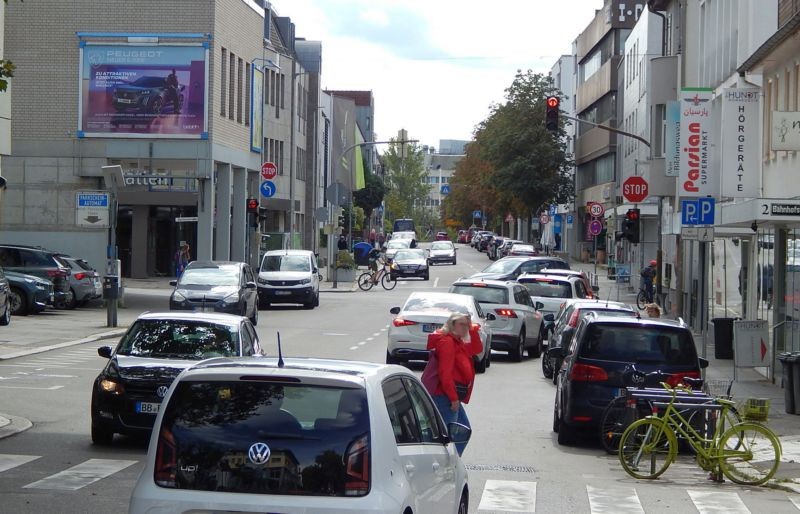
<point>596,210</point>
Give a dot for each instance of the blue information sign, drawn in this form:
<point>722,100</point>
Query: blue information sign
<point>445,189</point>
<point>476,214</point>
<point>697,212</point>
<point>92,199</point>
<point>268,188</point>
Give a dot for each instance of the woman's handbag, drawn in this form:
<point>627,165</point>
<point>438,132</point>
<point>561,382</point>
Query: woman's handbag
<point>430,375</point>
<point>461,391</point>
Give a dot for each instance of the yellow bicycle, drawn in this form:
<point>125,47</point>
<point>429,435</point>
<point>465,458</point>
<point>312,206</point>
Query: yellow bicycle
<point>746,453</point>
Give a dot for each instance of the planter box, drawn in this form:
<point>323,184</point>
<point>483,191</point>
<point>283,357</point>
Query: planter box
<point>346,275</point>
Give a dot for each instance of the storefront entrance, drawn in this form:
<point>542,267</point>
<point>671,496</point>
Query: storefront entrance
<point>162,238</point>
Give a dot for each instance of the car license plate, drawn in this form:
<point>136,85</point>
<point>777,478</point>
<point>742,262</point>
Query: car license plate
<point>147,407</point>
<point>430,327</point>
<point>123,100</point>
<point>282,293</point>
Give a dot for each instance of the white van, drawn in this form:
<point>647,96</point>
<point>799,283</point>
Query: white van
<point>288,276</point>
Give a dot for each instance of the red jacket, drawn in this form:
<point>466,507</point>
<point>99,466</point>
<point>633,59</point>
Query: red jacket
<point>455,361</point>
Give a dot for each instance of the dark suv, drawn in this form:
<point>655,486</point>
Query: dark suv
<point>36,261</point>
<point>594,362</point>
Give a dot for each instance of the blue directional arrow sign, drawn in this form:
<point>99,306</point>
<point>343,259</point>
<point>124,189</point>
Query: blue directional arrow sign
<point>445,189</point>
<point>268,188</point>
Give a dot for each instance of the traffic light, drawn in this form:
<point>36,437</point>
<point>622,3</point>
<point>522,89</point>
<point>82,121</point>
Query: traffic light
<point>551,115</point>
<point>341,219</point>
<point>262,214</point>
<point>631,225</point>
<point>252,205</point>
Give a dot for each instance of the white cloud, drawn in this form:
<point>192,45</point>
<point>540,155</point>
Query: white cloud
<point>435,67</point>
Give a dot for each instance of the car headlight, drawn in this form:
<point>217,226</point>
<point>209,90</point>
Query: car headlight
<point>395,266</point>
<point>177,297</point>
<point>231,298</point>
<point>262,280</point>
<point>42,285</point>
<point>305,281</point>
<point>111,386</point>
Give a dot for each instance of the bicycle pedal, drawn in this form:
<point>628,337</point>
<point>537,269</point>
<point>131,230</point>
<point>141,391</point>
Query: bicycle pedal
<point>716,477</point>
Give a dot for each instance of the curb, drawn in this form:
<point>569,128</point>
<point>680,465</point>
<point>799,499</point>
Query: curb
<point>10,425</point>
<point>40,349</point>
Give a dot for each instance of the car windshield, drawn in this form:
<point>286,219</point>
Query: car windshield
<point>179,339</point>
<point>216,276</point>
<point>483,294</point>
<point>442,246</point>
<point>548,288</point>
<point>422,303</point>
<point>286,263</point>
<point>642,344</point>
<point>149,82</point>
<point>314,439</point>
<point>502,266</point>
<point>409,255</point>
<point>398,243</point>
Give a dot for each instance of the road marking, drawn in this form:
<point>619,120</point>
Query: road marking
<point>795,501</point>
<point>42,375</point>
<point>508,496</point>
<point>709,502</point>
<point>376,334</point>
<point>334,334</point>
<point>39,368</point>
<point>384,329</point>
<point>354,347</point>
<point>436,282</point>
<point>613,499</point>
<point>370,338</point>
<point>362,343</point>
<point>52,388</point>
<point>8,461</point>
<point>81,475</point>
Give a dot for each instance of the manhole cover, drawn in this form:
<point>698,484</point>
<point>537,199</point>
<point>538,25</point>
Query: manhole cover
<point>499,467</point>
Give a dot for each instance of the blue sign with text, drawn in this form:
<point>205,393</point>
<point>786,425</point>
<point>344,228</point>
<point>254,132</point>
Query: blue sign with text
<point>697,212</point>
<point>92,199</point>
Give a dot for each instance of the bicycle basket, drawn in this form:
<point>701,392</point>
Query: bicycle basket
<point>717,387</point>
<point>755,409</point>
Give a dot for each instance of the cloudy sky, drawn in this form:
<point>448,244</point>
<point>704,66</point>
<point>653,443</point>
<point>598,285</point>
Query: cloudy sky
<point>435,66</point>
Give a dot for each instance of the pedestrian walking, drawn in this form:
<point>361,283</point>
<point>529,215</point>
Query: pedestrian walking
<point>342,244</point>
<point>454,346</point>
<point>182,258</point>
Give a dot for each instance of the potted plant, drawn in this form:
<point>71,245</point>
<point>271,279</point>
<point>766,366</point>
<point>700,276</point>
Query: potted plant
<point>345,267</point>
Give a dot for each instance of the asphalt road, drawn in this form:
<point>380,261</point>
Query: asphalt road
<point>515,464</point>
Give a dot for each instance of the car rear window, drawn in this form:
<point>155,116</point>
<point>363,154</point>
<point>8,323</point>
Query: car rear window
<point>635,343</point>
<point>261,437</point>
<point>548,288</point>
<point>179,339</point>
<point>484,294</point>
<point>425,304</point>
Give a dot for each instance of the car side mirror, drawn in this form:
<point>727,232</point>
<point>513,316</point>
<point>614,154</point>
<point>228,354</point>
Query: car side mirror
<point>703,362</point>
<point>458,433</point>
<point>250,285</point>
<point>173,283</point>
<point>596,289</point>
<point>539,306</point>
<point>490,316</point>
<point>394,310</point>
<point>104,351</point>
<point>549,317</point>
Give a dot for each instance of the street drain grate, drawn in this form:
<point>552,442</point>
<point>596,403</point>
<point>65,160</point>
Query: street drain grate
<point>499,467</point>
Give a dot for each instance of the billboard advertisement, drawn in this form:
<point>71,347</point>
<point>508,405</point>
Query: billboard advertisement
<point>695,141</point>
<point>143,91</point>
<point>257,110</point>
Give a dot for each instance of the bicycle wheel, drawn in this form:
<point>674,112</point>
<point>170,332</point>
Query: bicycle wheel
<point>387,282</point>
<point>749,453</point>
<point>647,448</point>
<point>365,281</point>
<point>617,416</point>
<point>641,300</point>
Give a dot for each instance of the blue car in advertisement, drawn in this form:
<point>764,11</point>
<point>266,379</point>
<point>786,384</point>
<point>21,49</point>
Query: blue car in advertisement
<point>149,95</point>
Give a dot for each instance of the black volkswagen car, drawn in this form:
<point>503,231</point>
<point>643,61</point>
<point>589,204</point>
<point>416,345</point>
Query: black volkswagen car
<point>216,286</point>
<point>127,394</point>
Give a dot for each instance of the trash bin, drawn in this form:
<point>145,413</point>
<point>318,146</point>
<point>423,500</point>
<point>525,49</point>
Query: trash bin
<point>791,374</point>
<point>723,338</point>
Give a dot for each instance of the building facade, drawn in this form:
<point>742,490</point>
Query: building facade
<point>564,77</point>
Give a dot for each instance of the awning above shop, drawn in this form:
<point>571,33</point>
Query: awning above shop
<point>765,212</point>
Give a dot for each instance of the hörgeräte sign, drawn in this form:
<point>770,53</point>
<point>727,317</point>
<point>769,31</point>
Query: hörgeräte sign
<point>741,142</point>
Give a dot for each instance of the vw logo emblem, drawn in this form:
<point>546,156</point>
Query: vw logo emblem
<point>259,454</point>
<point>161,391</point>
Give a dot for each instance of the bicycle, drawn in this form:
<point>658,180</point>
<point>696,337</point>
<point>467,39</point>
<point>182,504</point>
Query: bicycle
<point>368,279</point>
<point>747,453</point>
<point>643,298</point>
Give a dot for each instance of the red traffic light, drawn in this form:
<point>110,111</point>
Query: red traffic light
<point>252,205</point>
<point>553,101</point>
<point>632,214</point>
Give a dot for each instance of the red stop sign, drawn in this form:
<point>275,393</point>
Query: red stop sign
<point>634,189</point>
<point>268,170</point>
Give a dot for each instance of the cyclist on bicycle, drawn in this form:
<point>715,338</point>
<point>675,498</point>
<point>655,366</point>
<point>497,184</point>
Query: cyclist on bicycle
<point>648,275</point>
<point>376,256</point>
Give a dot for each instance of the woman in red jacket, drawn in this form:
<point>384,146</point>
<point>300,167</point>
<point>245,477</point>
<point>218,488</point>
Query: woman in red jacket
<point>455,344</point>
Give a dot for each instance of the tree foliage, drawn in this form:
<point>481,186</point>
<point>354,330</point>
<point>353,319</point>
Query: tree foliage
<point>6,70</point>
<point>406,179</point>
<point>371,196</point>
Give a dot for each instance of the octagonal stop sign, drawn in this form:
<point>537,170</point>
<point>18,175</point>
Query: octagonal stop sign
<point>634,189</point>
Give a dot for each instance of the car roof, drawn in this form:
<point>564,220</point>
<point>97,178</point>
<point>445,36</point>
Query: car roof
<point>599,317</point>
<point>570,272</point>
<point>212,317</point>
<point>586,303</point>
<point>488,282</point>
<point>214,264</point>
<point>441,296</point>
<point>549,276</point>
<point>289,252</point>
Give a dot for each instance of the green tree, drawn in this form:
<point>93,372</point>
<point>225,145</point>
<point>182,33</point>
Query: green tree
<point>531,165</point>
<point>405,179</point>
<point>371,196</point>
<point>6,69</point>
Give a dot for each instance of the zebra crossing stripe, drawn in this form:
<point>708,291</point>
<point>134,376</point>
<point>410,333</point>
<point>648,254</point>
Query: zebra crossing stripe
<point>508,496</point>
<point>713,502</point>
<point>795,501</point>
<point>614,499</point>
<point>8,461</point>
<point>81,475</point>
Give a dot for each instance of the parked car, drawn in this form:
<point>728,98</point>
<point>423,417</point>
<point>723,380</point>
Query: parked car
<point>409,263</point>
<point>591,290</point>
<point>552,290</point>
<point>503,249</point>
<point>492,247</point>
<point>485,240</point>
<point>509,268</point>
<point>462,236</point>
<point>442,236</point>
<point>517,325</point>
<point>289,276</point>
<point>409,236</point>
<point>84,282</point>
<point>148,95</point>
<point>5,299</point>
<point>216,286</point>
<point>34,260</point>
<point>28,293</point>
<point>310,435</point>
<point>442,251</point>
<point>425,312</point>
<point>520,249</point>
<point>592,373</point>
<point>394,245</point>
<point>566,321</point>
<point>127,394</point>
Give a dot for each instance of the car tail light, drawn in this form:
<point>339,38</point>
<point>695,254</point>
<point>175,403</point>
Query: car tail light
<point>573,320</point>
<point>587,373</point>
<point>80,276</point>
<point>56,273</point>
<point>166,459</point>
<point>509,313</point>
<point>677,378</point>
<point>400,322</point>
<point>356,461</point>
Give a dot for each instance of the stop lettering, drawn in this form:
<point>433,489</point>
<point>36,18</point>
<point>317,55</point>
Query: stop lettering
<point>634,189</point>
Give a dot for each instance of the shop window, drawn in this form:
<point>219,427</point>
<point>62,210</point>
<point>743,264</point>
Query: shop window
<point>223,87</point>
